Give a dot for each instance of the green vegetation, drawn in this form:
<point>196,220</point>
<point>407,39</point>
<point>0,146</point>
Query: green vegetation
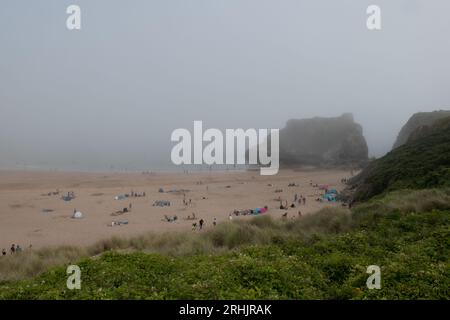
<point>420,164</point>
<point>320,256</point>
<point>417,122</point>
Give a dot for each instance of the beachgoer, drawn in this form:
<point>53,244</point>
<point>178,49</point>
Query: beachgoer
<point>304,201</point>
<point>3,252</point>
<point>214,222</point>
<point>18,249</point>
<point>13,248</point>
<point>230,217</point>
<point>201,223</point>
<point>295,198</point>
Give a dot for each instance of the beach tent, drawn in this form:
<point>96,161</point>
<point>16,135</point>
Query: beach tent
<point>77,215</point>
<point>329,196</point>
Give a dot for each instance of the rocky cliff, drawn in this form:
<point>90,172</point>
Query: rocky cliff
<point>419,124</point>
<point>323,141</point>
<point>422,162</point>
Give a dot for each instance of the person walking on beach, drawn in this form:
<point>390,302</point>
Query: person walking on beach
<point>214,222</point>
<point>13,248</point>
<point>201,223</point>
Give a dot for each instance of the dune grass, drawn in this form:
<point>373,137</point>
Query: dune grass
<point>226,236</point>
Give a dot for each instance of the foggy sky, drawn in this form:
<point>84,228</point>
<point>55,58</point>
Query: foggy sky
<point>111,93</point>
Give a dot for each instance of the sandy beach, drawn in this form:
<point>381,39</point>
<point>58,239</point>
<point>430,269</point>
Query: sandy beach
<point>30,216</point>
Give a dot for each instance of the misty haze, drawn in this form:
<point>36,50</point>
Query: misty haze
<point>109,95</point>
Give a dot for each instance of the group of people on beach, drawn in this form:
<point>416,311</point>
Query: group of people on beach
<point>186,202</point>
<point>300,199</point>
<point>297,200</point>
<point>137,195</point>
<point>201,224</point>
<point>13,250</point>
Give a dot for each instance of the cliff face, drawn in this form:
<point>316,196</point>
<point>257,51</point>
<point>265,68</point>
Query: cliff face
<point>422,162</point>
<point>427,130</point>
<point>419,124</point>
<point>323,141</point>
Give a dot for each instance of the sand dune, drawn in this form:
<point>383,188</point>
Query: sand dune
<point>28,215</point>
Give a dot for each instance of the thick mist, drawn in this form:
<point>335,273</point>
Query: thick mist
<point>109,95</point>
